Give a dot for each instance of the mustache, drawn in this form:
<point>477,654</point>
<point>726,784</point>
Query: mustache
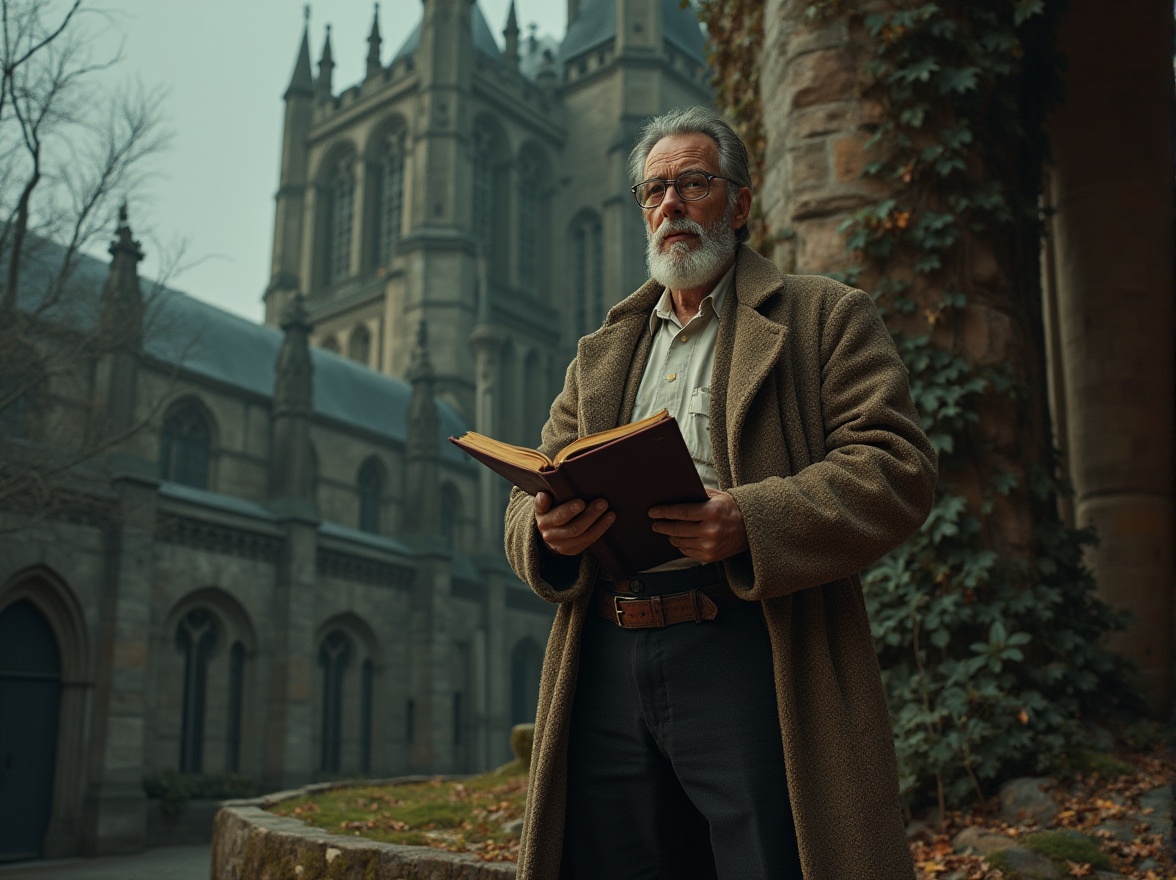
<point>676,224</point>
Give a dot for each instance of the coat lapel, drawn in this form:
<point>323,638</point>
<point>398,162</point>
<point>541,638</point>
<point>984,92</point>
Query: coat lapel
<point>611,361</point>
<point>749,345</point>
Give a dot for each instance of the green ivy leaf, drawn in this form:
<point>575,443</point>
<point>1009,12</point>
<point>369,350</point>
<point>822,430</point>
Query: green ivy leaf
<point>1026,9</point>
<point>958,80</point>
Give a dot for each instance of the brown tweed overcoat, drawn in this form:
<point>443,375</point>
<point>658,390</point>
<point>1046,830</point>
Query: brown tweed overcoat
<point>814,434</point>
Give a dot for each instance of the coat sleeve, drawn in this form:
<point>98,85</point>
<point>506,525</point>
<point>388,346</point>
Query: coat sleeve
<point>553,577</point>
<point>872,489</point>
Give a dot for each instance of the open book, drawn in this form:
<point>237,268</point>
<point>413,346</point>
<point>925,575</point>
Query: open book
<point>633,467</point>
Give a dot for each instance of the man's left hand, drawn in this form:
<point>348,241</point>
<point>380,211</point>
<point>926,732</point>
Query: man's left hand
<point>708,532</point>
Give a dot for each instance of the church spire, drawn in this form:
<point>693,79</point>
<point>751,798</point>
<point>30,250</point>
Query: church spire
<point>326,69</point>
<point>302,82</point>
<point>373,58</point>
<point>511,33</point>
<point>122,300</point>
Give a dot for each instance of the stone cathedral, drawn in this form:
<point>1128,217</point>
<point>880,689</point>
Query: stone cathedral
<point>290,575</point>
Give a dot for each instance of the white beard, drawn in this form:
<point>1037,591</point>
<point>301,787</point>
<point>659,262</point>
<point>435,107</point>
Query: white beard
<point>678,267</point>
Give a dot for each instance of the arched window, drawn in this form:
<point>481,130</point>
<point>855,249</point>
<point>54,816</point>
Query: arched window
<point>388,189</point>
<point>369,486</point>
<point>588,271</point>
<point>185,446</point>
<point>236,695</point>
<point>195,639</point>
<point>334,654</point>
<point>526,663</point>
<point>483,203</point>
<point>359,346</point>
<point>528,222</point>
<point>339,215</point>
<point>330,344</point>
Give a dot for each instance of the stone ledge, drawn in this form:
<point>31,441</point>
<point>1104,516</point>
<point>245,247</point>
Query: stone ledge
<point>249,843</point>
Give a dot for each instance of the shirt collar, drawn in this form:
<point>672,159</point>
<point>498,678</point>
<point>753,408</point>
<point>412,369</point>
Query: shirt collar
<point>711,305</point>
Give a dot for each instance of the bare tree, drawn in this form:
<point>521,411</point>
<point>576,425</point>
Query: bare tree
<point>70,150</point>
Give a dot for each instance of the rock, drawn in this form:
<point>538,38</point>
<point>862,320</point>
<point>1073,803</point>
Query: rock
<point>978,841</point>
<point>1026,799</point>
<point>919,828</point>
<point>1122,830</point>
<point>514,828</point>
<point>1027,864</point>
<point>1108,875</point>
<point>1159,801</point>
<point>522,738</point>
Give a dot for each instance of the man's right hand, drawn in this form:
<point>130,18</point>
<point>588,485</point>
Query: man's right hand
<point>572,527</point>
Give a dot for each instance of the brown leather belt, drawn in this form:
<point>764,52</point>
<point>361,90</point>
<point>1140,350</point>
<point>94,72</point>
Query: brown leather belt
<point>655,612</point>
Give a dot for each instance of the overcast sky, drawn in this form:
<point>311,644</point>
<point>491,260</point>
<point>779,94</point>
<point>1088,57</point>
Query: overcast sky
<point>224,65</point>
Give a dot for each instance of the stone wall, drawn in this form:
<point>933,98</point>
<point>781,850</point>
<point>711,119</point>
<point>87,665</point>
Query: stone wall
<point>250,843</point>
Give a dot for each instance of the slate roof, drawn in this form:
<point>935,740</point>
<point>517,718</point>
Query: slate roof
<point>596,25</point>
<point>483,37</point>
<point>217,345</point>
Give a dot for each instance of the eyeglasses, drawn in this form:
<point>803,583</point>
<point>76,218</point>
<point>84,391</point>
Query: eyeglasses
<point>691,186</point>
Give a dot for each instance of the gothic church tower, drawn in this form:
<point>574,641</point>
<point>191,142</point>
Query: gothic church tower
<point>478,186</point>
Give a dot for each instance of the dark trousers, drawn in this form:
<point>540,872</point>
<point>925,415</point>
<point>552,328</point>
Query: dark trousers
<point>667,722</point>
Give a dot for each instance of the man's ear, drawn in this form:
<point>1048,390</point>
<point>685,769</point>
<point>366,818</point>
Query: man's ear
<point>742,208</point>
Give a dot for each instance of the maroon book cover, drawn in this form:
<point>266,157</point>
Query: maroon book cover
<point>633,473</point>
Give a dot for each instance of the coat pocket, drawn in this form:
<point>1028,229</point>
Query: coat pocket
<point>696,431</point>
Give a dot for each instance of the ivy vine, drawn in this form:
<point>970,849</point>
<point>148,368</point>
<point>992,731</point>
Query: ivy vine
<point>991,659</point>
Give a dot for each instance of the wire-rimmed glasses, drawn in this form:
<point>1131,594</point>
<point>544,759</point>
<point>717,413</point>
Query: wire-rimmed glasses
<point>691,186</point>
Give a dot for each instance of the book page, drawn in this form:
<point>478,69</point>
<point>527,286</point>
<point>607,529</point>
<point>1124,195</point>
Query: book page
<point>599,439</point>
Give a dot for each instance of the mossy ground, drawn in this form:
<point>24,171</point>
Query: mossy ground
<point>1103,792</point>
<point>467,816</point>
<point>1068,846</point>
<point>464,815</point>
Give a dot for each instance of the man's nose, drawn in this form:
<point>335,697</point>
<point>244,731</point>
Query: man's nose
<point>672,204</point>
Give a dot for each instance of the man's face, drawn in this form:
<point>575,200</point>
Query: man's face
<point>691,243</point>
<point>670,157</point>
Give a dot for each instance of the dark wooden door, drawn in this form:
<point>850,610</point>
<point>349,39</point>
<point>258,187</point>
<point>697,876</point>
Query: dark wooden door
<point>30,695</point>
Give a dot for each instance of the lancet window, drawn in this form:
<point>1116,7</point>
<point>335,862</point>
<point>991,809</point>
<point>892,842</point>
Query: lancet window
<point>340,218</point>
<point>389,195</point>
<point>370,488</point>
<point>528,222</point>
<point>196,638</point>
<point>334,656</point>
<point>588,253</point>
<point>185,447</point>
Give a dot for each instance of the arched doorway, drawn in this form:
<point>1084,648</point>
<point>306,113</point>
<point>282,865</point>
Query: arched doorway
<point>30,699</point>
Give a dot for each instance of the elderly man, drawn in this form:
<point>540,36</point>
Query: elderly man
<point>767,718</point>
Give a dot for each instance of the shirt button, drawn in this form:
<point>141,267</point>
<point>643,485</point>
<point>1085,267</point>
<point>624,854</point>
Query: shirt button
<point>671,377</point>
<point>684,337</point>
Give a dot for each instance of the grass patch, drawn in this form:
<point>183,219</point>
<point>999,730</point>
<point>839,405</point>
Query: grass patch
<point>1068,846</point>
<point>464,815</point>
<point>1105,765</point>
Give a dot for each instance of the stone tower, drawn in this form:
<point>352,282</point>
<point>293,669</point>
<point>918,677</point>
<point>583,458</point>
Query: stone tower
<point>477,185</point>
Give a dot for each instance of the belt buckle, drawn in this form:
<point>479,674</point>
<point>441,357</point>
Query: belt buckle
<point>655,618</point>
<point>617,600</point>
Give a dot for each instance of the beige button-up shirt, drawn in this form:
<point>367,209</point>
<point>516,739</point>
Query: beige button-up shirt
<point>678,378</point>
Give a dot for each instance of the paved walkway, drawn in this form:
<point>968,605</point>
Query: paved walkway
<point>166,863</point>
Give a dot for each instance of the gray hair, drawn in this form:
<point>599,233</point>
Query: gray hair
<point>733,160</point>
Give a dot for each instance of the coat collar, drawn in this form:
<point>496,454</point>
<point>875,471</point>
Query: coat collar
<point>747,346</point>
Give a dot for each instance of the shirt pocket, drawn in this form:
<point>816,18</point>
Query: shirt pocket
<point>696,431</point>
